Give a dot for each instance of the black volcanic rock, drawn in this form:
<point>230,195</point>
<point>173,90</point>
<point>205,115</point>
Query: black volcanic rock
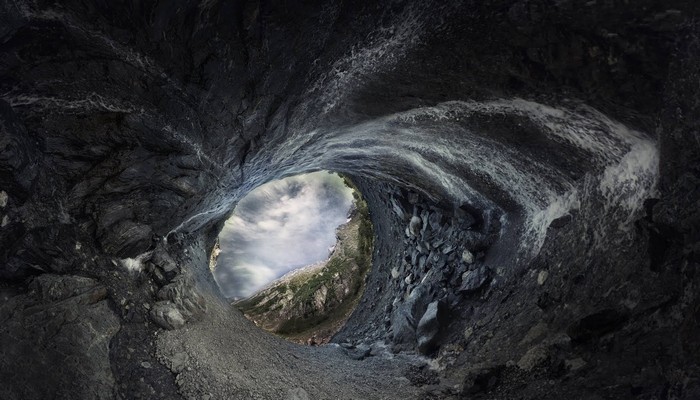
<point>129,131</point>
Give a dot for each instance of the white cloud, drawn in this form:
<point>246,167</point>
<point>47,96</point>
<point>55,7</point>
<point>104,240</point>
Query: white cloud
<point>278,227</point>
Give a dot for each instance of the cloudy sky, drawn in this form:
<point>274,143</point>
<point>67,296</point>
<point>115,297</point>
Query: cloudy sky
<point>280,226</point>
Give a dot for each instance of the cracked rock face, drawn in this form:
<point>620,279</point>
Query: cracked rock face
<point>531,171</point>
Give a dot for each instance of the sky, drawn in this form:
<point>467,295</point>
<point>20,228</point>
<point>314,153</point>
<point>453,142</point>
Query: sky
<point>279,227</point>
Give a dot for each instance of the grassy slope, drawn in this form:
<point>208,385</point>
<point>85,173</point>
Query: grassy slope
<point>289,307</point>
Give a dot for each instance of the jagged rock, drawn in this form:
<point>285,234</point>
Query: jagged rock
<point>435,221</point>
<point>575,364</point>
<point>394,273</point>
<point>398,208</point>
<point>428,328</point>
<point>467,257</point>
<point>359,352</point>
<point>162,259</point>
<point>127,239</point>
<point>475,280</point>
<point>167,315</point>
<point>533,357</point>
<point>50,287</point>
<point>178,362</point>
<point>404,319</point>
<point>468,332</point>
<point>66,311</point>
<point>415,225</point>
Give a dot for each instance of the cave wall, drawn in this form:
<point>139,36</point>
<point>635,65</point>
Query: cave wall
<point>566,131</point>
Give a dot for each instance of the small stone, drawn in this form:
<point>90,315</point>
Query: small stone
<point>532,358</point>
<point>167,315</point>
<point>575,364</point>
<point>178,362</point>
<point>415,225</point>
<point>360,352</point>
<point>394,273</point>
<point>3,198</point>
<point>535,332</point>
<point>408,279</point>
<point>435,220</point>
<point>5,221</point>
<point>542,277</point>
<point>468,333</point>
<point>428,328</point>
<point>297,394</point>
<point>475,280</point>
<point>146,364</point>
<point>467,257</point>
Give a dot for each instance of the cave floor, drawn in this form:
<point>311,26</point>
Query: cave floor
<point>226,356</point>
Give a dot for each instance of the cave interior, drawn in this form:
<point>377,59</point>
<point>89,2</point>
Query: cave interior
<point>531,168</point>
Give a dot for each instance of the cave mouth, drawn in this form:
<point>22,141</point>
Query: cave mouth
<point>294,254</point>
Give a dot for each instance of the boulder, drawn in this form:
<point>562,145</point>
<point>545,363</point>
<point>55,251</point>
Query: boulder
<point>167,315</point>
<point>414,227</point>
<point>475,280</point>
<point>428,328</point>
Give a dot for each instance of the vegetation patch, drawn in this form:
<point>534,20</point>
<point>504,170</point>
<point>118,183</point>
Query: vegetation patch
<point>310,305</point>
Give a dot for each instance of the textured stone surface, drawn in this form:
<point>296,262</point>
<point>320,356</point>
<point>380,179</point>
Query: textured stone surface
<point>57,333</point>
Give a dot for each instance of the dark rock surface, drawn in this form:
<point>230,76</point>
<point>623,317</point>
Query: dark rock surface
<point>56,339</point>
<point>531,166</point>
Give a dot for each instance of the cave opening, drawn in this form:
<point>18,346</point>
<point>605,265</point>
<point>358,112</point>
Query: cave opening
<point>294,254</point>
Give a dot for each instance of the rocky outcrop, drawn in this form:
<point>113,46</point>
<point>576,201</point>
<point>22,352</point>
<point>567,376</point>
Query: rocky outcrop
<point>61,320</point>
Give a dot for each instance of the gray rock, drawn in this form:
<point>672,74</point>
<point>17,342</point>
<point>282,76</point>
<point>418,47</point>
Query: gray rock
<point>54,341</point>
<point>405,317</point>
<point>297,394</point>
<point>422,262</point>
<point>475,280</point>
<point>360,352</point>
<point>435,220</point>
<point>467,257</point>
<point>575,364</point>
<point>162,259</point>
<point>415,225</point>
<point>127,239</point>
<point>398,209</point>
<point>178,362</point>
<point>533,357</point>
<point>428,328</point>
<point>167,315</point>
